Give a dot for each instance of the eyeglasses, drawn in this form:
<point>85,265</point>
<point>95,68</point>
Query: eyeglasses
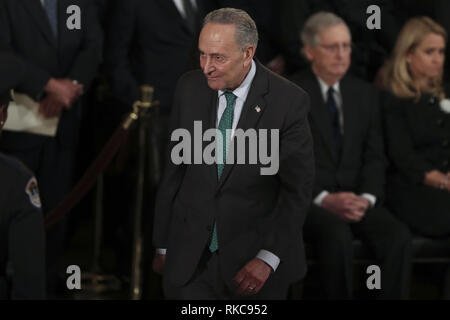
<point>334,48</point>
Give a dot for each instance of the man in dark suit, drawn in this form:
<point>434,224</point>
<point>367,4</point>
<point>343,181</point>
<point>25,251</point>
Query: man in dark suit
<point>60,62</point>
<point>22,240</point>
<point>350,166</point>
<point>224,230</point>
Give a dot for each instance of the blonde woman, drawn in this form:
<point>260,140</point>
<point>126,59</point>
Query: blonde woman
<point>417,122</point>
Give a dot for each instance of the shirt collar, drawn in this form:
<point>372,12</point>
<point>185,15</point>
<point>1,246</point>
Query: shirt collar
<point>242,90</point>
<point>324,87</point>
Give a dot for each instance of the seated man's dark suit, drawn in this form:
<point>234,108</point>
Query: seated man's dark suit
<point>252,212</point>
<point>359,169</point>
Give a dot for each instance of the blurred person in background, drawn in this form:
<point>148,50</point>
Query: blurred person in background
<point>370,47</point>
<point>60,64</point>
<point>350,164</point>
<point>417,123</point>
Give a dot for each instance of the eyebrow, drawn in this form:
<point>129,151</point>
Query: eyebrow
<point>212,54</point>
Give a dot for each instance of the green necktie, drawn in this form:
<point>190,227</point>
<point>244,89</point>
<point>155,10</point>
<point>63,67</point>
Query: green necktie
<point>226,123</point>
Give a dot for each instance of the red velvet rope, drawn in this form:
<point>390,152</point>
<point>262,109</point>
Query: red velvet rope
<point>89,178</point>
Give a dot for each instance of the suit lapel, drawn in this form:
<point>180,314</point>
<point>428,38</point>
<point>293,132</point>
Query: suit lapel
<point>249,116</point>
<point>350,108</point>
<point>319,113</point>
<point>35,9</point>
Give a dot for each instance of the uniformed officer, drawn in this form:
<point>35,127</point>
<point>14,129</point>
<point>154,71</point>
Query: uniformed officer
<point>22,240</point>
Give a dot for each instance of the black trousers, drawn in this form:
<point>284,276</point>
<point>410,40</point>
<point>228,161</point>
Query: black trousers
<point>387,238</point>
<point>52,165</point>
<point>208,284</point>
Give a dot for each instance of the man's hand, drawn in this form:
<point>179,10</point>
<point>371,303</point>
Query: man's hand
<point>158,263</point>
<point>50,107</point>
<point>65,90</point>
<point>252,277</point>
<point>437,179</point>
<point>346,205</point>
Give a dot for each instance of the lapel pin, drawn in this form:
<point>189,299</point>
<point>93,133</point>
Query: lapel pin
<point>258,109</point>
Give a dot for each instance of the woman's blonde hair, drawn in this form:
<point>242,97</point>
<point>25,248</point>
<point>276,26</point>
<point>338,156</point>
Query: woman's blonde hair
<point>397,77</point>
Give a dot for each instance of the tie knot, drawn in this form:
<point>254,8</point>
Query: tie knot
<point>231,97</point>
<point>330,91</point>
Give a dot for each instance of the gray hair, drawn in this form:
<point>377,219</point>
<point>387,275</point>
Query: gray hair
<point>246,31</point>
<point>316,24</point>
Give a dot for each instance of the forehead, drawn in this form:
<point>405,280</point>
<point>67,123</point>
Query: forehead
<point>433,40</point>
<point>337,33</point>
<point>217,37</point>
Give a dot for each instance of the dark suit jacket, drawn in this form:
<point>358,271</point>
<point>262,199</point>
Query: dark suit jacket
<point>76,54</point>
<point>361,168</point>
<point>252,211</point>
<point>149,42</point>
<point>22,239</point>
<point>417,137</point>
<point>11,73</point>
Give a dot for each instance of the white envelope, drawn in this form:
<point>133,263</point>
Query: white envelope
<point>23,116</point>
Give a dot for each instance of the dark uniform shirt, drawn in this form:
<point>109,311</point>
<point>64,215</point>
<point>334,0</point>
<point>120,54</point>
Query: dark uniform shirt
<point>22,241</point>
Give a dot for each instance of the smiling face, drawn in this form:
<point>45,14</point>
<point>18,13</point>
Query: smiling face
<point>331,57</point>
<point>427,59</point>
<point>223,62</point>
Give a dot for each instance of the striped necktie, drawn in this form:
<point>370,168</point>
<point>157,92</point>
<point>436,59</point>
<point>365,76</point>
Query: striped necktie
<point>334,117</point>
<point>225,126</point>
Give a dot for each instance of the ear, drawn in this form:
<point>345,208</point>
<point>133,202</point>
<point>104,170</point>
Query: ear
<point>408,57</point>
<point>309,52</point>
<point>249,53</point>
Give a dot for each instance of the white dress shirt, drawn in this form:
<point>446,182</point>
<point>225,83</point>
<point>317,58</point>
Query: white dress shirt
<point>338,98</point>
<point>180,7</point>
<point>241,93</point>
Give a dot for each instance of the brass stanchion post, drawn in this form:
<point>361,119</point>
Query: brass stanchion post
<point>140,108</point>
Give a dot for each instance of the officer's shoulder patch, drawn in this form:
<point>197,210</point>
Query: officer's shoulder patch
<point>32,191</point>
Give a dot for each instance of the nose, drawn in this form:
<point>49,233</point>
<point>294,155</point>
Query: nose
<point>340,52</point>
<point>208,66</point>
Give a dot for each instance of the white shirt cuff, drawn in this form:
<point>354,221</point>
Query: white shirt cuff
<point>372,199</point>
<point>161,251</point>
<point>268,257</point>
<point>318,200</point>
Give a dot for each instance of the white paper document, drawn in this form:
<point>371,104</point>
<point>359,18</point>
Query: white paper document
<point>23,116</point>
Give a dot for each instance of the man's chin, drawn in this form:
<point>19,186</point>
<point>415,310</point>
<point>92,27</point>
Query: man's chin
<point>340,71</point>
<point>215,84</point>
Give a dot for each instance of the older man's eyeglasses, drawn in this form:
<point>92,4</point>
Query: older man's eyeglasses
<point>334,48</point>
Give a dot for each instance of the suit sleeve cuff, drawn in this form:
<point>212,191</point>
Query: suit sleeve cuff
<point>371,198</point>
<point>318,200</point>
<point>161,251</point>
<point>268,257</point>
